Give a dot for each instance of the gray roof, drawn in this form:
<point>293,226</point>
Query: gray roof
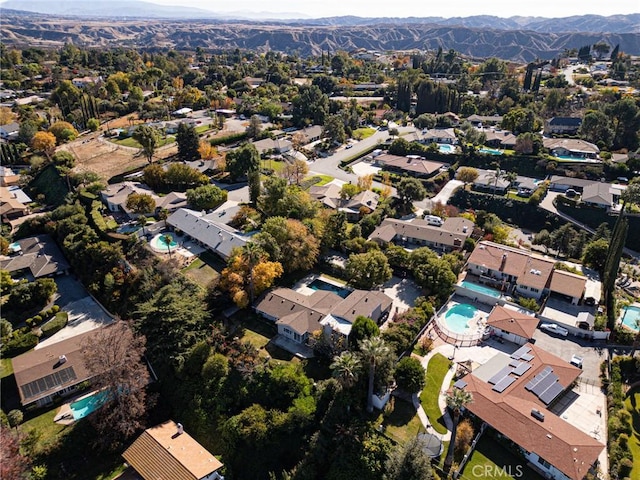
<point>486,178</point>
<point>566,121</point>
<point>599,193</point>
<point>39,254</point>
<point>217,236</point>
<point>362,303</point>
<point>570,144</point>
<point>571,181</point>
<point>452,233</point>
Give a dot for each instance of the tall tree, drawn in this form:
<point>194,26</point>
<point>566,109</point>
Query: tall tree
<point>114,355</point>
<point>373,350</point>
<point>409,462</point>
<point>456,400</point>
<point>410,189</point>
<point>148,138</point>
<point>368,270</point>
<point>255,126</point>
<point>410,375</point>
<point>188,143</point>
<point>310,106</point>
<point>363,327</point>
<point>346,368</point>
<point>243,160</point>
<point>141,203</point>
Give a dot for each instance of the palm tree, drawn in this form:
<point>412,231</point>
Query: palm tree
<point>456,400</point>
<point>168,239</point>
<point>346,368</point>
<point>495,177</point>
<point>163,214</point>
<point>373,349</point>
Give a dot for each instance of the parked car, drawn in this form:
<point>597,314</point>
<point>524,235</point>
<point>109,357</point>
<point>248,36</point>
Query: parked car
<point>576,361</point>
<point>434,220</point>
<point>553,328</point>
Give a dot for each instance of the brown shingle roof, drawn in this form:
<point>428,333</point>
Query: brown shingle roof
<point>281,302</point>
<point>303,321</point>
<point>39,254</point>
<point>38,364</point>
<point>556,441</point>
<point>160,454</point>
<point>568,283</point>
<point>361,302</point>
<point>451,234</point>
<point>513,321</point>
<point>417,165</point>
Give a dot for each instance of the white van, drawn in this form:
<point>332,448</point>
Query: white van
<point>434,220</point>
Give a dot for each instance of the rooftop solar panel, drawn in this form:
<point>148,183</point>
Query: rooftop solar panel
<point>527,357</point>
<point>545,383</point>
<point>503,384</point>
<point>538,378</point>
<point>48,382</point>
<point>515,363</point>
<point>500,375</point>
<point>551,393</point>
<point>521,369</point>
<point>460,384</point>
<point>519,352</point>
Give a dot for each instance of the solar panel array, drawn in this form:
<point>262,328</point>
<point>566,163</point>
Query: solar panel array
<point>460,384</point>
<point>551,393</point>
<point>517,355</point>
<point>545,386</point>
<point>503,384</point>
<point>56,379</point>
<point>500,375</point>
<point>539,377</point>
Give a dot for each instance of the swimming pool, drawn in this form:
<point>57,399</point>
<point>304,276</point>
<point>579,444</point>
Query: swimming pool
<point>88,404</point>
<point>569,158</point>
<point>319,284</point>
<point>480,289</point>
<point>457,317</point>
<point>630,318</point>
<point>159,244</point>
<point>491,151</point>
<point>446,148</point>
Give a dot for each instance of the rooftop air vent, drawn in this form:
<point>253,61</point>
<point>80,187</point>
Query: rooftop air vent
<point>537,414</point>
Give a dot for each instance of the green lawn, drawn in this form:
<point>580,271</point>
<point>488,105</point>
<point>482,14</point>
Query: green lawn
<point>436,370</point>
<point>203,128</point>
<point>6,367</point>
<point>512,195</point>
<point>632,404</point>
<point>402,424</point>
<point>130,142</point>
<point>491,456</point>
<point>276,165</point>
<point>324,180</point>
<point>200,272</point>
<point>363,133</point>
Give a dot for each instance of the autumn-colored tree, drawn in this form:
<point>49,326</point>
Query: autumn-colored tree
<point>467,174</point>
<point>44,142</point>
<point>114,356</point>
<point>365,182</point>
<point>141,203</point>
<point>13,465</point>
<point>299,248</point>
<point>6,116</point>
<point>63,131</point>
<point>348,191</point>
<point>206,151</point>
<point>294,172</point>
<point>464,436</point>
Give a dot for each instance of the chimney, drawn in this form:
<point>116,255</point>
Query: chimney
<point>504,260</point>
<point>62,359</point>
<point>180,429</point>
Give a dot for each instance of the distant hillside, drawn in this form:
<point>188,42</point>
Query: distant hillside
<point>480,42</point>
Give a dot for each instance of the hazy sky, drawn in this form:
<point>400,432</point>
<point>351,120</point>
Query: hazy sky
<point>417,8</point>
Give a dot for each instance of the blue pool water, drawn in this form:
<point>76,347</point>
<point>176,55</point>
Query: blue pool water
<point>569,158</point>
<point>458,316</point>
<point>85,406</point>
<point>446,148</point>
<point>159,244</point>
<point>318,284</point>
<point>481,289</point>
<point>491,151</point>
<point>630,317</point>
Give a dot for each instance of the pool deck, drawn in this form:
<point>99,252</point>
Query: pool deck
<point>65,415</point>
<point>477,323</point>
<point>303,285</point>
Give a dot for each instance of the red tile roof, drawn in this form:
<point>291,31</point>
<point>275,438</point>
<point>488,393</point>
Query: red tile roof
<point>513,321</point>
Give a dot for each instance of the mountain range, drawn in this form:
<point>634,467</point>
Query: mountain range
<point>150,26</point>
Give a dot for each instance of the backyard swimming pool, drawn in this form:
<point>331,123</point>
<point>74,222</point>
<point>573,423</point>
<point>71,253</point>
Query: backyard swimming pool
<point>491,151</point>
<point>457,317</point>
<point>446,148</point>
<point>88,404</point>
<point>159,244</point>
<point>319,284</point>
<point>480,289</point>
<point>631,317</point>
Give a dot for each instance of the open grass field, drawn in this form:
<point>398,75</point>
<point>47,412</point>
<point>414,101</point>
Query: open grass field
<point>131,142</point>
<point>201,272</point>
<point>362,133</point>
<point>436,370</point>
<point>403,423</point>
<point>632,404</point>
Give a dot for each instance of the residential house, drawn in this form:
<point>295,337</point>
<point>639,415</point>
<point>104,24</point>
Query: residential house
<point>510,269</point>
<point>269,145</point>
<point>8,177</point>
<point>488,180</point>
<point>513,394</point>
<point>601,195</point>
<point>525,185</point>
<point>413,164</point>
<point>9,131</point>
<point>54,370</point>
<point>80,82</point>
<point>36,257</point>
<point>511,324</point>
<point>115,196</point>
<point>479,120</point>
<point>362,203</point>
<point>497,138</point>
<point>571,148</point>
<point>13,203</point>
<point>562,125</point>
<point>172,201</point>
<point>298,316</point>
<point>215,236</point>
<point>559,183</point>
<point>568,286</point>
<point>310,134</point>
<point>450,236</point>
<point>439,135</point>
<point>167,452</point>
<point>20,102</point>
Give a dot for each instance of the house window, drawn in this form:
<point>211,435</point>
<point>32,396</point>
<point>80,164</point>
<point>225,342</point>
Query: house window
<point>296,337</point>
<point>544,463</point>
<point>534,290</point>
<point>287,331</point>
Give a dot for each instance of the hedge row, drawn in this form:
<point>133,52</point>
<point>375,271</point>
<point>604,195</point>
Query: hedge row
<point>234,137</point>
<point>55,325</point>
<point>19,344</point>
<point>522,214</point>
<point>44,315</point>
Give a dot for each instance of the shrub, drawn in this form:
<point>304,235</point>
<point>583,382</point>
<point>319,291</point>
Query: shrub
<point>55,325</point>
<point>464,436</point>
<point>20,344</point>
<point>37,320</point>
<point>55,309</point>
<point>529,304</point>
